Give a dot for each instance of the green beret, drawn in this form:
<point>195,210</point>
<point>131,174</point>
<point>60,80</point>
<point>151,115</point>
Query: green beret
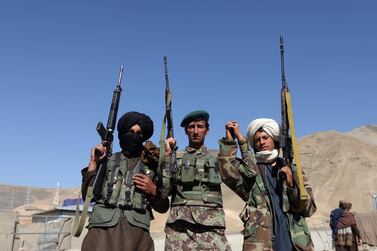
<point>195,116</point>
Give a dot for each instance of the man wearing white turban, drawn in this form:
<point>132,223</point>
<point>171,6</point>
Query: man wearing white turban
<point>273,217</point>
<point>270,129</point>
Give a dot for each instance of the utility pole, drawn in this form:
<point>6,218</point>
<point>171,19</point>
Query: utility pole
<point>27,198</point>
<point>55,203</point>
<point>11,201</point>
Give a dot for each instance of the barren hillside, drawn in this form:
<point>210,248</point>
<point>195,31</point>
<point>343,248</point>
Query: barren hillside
<point>12,197</point>
<point>341,166</point>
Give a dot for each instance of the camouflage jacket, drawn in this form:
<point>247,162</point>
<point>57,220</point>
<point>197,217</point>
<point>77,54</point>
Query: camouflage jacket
<point>208,209</point>
<point>248,180</point>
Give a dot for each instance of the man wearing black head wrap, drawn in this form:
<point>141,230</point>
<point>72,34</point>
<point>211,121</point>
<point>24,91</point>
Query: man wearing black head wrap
<point>121,216</point>
<point>130,141</point>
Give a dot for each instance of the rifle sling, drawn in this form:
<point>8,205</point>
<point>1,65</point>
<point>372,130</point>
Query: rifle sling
<point>78,223</point>
<point>162,142</point>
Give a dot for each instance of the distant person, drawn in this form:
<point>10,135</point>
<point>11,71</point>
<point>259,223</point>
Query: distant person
<point>196,220</point>
<point>123,210</point>
<point>272,217</point>
<point>348,237</point>
<point>334,218</point>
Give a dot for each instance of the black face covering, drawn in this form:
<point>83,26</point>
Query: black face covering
<point>129,119</point>
<point>131,143</point>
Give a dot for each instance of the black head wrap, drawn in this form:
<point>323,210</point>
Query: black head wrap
<point>132,143</point>
<point>130,119</point>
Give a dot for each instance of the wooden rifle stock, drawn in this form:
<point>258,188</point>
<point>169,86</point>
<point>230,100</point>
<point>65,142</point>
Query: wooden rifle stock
<point>288,136</point>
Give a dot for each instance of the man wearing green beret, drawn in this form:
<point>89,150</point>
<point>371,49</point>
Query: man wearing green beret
<point>196,220</point>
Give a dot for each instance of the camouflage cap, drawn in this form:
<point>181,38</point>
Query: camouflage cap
<point>195,116</point>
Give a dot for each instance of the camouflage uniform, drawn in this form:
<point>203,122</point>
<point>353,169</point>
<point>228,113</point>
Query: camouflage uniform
<point>248,180</point>
<point>196,220</point>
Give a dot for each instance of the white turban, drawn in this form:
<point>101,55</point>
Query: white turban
<point>270,126</point>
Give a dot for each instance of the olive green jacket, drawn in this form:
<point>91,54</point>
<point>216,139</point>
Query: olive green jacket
<point>106,216</point>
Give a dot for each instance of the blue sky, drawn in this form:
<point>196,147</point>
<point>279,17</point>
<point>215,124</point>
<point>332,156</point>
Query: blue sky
<point>59,62</point>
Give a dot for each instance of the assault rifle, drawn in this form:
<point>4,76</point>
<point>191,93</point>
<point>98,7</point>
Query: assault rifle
<point>288,142</point>
<point>168,99</point>
<point>107,136</point>
<point>285,139</point>
<point>169,119</point>
<point>168,122</point>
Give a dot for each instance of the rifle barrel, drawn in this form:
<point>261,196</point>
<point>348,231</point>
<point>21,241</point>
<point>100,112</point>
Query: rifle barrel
<point>166,73</point>
<point>284,82</point>
<point>168,97</point>
<point>120,76</point>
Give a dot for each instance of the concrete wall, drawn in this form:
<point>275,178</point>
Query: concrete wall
<point>54,235</point>
<point>7,221</point>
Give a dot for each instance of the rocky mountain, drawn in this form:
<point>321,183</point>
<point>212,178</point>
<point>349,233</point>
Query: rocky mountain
<point>341,166</point>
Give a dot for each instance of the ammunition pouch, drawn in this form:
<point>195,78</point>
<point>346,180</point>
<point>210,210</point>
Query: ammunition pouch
<point>119,189</point>
<point>199,181</point>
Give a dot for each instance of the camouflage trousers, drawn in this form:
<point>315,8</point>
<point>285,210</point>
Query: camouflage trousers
<point>255,246</point>
<point>185,236</point>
